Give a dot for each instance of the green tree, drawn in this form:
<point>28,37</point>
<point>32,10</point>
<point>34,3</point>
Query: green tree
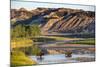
<point>18,31</point>
<point>32,31</point>
<point>35,30</point>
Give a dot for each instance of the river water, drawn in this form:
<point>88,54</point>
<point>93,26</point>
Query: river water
<point>60,58</point>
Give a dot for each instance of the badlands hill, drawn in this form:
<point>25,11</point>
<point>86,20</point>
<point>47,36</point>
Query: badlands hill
<point>56,19</point>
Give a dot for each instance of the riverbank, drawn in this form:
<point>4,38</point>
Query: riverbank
<point>89,41</point>
<point>18,56</point>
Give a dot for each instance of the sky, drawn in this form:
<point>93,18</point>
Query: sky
<point>32,5</point>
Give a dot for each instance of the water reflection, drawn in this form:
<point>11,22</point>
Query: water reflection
<point>61,58</point>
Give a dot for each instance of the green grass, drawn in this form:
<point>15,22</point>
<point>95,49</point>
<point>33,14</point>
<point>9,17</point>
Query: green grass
<point>54,38</point>
<point>89,41</point>
<point>62,38</point>
<point>21,42</point>
<point>18,58</point>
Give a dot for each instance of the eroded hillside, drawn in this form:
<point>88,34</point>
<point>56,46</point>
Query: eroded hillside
<point>56,19</point>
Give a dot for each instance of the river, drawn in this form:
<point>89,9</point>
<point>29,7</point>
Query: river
<point>60,58</point>
<point>81,52</point>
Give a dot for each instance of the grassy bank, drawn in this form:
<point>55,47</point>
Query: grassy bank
<point>90,41</point>
<point>18,58</point>
<point>53,38</point>
<point>62,38</point>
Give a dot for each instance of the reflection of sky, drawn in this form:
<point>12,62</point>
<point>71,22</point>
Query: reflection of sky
<point>32,5</point>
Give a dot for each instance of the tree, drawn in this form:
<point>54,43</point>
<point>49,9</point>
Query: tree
<point>18,31</point>
<point>25,31</point>
<point>35,30</point>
